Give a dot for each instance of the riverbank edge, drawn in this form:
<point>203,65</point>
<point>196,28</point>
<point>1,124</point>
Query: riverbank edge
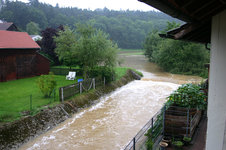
<point>13,135</point>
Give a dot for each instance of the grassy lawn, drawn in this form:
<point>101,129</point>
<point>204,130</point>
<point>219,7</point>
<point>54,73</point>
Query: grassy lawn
<point>131,49</point>
<point>131,52</point>
<point>15,96</point>
<point>121,71</point>
<point>66,67</point>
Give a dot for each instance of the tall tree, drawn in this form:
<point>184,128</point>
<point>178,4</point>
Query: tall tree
<point>86,47</point>
<point>32,28</point>
<point>48,44</point>
<point>176,56</point>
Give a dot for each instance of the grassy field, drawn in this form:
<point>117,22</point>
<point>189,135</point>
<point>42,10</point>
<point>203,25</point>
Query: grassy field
<point>121,49</point>
<point>15,95</point>
<point>131,52</point>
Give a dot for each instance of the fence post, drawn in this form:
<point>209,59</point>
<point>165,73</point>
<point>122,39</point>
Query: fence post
<point>80,85</point>
<point>94,86</point>
<point>187,122</point>
<point>152,127</point>
<point>163,126</point>
<point>30,102</point>
<point>62,94</point>
<point>134,143</point>
<point>54,94</point>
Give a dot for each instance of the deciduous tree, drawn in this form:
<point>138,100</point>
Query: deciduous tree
<point>86,47</point>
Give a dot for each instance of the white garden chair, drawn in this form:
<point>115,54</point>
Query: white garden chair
<point>71,75</point>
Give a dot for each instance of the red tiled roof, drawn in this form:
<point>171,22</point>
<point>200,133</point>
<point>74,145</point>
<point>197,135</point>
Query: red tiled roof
<point>16,40</point>
<point>5,25</point>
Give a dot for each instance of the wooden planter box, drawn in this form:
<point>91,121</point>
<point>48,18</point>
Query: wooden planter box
<point>181,121</point>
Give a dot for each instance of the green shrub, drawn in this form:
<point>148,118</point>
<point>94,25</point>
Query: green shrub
<point>186,139</point>
<point>46,84</point>
<point>157,128</point>
<point>189,96</point>
<point>178,143</point>
<point>107,72</point>
<point>149,144</point>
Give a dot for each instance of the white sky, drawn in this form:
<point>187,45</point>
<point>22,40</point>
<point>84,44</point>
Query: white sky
<point>94,4</point>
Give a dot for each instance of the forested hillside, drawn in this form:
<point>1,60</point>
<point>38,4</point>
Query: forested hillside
<point>127,28</point>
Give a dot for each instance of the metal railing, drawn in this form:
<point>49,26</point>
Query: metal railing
<point>154,127</point>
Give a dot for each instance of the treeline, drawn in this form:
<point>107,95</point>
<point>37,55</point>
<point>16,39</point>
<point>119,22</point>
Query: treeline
<point>176,56</point>
<point>127,28</point>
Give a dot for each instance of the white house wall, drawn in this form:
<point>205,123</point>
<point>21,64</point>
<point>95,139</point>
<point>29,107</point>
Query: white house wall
<point>217,84</point>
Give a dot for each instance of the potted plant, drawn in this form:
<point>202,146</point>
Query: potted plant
<point>177,145</point>
<point>186,140</point>
<point>163,145</point>
<point>189,96</point>
<point>167,140</point>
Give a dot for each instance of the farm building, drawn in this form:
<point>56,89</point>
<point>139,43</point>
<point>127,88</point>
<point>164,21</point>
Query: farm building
<point>19,57</point>
<point>9,26</point>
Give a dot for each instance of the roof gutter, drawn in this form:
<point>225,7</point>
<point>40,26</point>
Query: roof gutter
<point>20,48</point>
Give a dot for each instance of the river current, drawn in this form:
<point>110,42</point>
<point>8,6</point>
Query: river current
<point>116,117</point>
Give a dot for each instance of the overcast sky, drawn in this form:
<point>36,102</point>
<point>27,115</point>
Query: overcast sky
<point>94,4</point>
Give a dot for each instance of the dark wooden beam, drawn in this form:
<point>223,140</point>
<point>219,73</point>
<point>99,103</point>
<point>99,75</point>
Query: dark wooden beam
<point>185,31</point>
<point>202,7</point>
<point>188,3</point>
<point>210,13</point>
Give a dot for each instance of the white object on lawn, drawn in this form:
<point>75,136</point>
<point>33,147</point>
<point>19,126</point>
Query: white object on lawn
<point>71,75</point>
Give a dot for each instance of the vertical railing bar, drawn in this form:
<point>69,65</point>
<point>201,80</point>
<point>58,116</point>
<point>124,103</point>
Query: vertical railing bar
<point>62,94</point>
<point>134,143</point>
<point>163,120</point>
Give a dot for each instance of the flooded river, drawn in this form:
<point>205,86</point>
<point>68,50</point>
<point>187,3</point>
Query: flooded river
<point>116,118</point>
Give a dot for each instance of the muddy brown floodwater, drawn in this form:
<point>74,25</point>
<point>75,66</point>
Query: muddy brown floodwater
<point>116,118</point>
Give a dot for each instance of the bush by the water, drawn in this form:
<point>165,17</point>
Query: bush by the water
<point>46,84</point>
<point>177,56</point>
<point>102,72</point>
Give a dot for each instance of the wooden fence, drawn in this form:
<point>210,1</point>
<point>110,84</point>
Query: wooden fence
<point>181,121</point>
<point>78,88</point>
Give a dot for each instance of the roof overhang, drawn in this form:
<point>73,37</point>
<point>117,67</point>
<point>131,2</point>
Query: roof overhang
<point>197,14</point>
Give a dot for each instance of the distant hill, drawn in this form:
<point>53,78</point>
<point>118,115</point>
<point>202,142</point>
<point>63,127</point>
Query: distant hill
<point>127,28</point>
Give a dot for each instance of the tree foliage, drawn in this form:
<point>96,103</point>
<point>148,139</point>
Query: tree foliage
<point>65,44</point>
<point>32,28</point>
<point>182,57</point>
<point>86,47</point>
<point>176,56</point>
<point>48,44</point>
<point>151,44</point>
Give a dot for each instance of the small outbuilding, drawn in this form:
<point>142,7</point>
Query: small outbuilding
<point>19,57</point>
<point>8,26</point>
